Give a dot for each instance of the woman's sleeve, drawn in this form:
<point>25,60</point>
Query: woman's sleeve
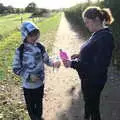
<point>75,64</point>
<point>79,65</point>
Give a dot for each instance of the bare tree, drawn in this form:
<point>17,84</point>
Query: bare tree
<point>31,7</point>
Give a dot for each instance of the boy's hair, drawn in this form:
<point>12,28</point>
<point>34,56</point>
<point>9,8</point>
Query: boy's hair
<point>21,50</point>
<point>35,32</point>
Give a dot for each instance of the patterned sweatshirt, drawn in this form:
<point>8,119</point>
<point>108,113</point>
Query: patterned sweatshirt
<point>32,65</point>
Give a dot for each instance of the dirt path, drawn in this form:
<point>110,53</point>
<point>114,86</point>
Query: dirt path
<point>63,99</point>
<point>60,84</point>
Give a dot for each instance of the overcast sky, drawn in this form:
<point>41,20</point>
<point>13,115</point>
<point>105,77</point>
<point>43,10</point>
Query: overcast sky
<point>51,4</point>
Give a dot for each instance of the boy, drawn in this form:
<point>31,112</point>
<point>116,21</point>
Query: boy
<point>29,65</point>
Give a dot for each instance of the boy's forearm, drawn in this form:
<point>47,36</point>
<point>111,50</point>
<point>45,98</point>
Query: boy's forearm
<point>48,60</point>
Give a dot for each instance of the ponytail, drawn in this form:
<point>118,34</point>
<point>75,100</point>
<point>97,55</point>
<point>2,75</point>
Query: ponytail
<point>103,14</point>
<point>107,16</point>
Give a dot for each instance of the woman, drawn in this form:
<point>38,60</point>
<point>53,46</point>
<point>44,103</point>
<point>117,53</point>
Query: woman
<point>94,58</point>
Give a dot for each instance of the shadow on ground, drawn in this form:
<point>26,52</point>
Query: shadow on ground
<point>110,100</point>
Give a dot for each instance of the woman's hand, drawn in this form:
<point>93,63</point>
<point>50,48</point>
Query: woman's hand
<point>74,56</point>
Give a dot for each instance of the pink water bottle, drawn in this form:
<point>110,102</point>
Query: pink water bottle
<point>63,55</point>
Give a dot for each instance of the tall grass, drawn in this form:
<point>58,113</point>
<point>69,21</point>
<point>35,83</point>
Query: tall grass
<point>115,8</point>
<point>48,30</point>
<point>74,16</point>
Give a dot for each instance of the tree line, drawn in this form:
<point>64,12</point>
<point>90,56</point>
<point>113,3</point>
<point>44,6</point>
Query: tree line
<point>30,8</point>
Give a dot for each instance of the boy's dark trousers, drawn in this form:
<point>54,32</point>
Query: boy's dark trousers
<point>34,98</point>
<point>91,96</point>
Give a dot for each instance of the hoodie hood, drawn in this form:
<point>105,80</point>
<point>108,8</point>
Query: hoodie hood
<point>26,28</point>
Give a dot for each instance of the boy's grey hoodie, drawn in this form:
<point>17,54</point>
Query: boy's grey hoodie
<point>33,61</point>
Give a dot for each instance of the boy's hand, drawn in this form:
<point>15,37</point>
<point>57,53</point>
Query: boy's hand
<point>34,78</point>
<point>67,63</point>
<point>57,64</point>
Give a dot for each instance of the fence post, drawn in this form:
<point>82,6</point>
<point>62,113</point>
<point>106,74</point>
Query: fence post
<point>21,19</point>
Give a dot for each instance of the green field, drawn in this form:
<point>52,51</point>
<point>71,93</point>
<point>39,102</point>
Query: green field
<point>11,22</point>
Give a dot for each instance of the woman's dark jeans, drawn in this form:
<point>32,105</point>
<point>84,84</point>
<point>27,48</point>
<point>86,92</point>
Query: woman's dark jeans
<point>91,96</point>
